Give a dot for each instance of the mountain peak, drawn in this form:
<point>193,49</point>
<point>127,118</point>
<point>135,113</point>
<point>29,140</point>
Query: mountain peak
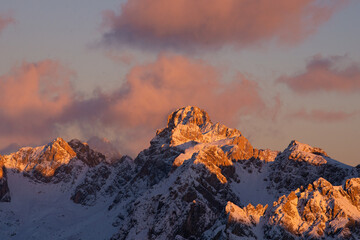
<point>44,159</point>
<point>306,148</point>
<point>302,152</point>
<point>188,115</point>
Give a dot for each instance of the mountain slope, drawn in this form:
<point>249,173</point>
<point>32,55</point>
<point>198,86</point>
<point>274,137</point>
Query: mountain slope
<point>197,180</point>
<point>320,210</point>
<point>4,188</point>
<point>45,184</point>
<point>41,161</point>
<point>194,167</point>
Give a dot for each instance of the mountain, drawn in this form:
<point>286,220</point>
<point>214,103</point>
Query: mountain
<point>316,211</point>
<point>104,146</point>
<point>40,161</point>
<point>197,180</point>
<point>10,148</point>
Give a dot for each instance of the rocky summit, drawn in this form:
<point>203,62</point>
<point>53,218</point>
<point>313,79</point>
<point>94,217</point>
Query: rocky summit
<point>197,180</point>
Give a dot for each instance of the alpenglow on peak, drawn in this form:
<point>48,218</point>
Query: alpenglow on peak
<point>188,115</point>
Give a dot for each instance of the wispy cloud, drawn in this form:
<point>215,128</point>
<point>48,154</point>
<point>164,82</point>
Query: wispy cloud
<point>153,90</point>
<point>323,116</point>
<point>334,73</point>
<point>38,102</point>
<point>188,24</point>
<point>5,20</point>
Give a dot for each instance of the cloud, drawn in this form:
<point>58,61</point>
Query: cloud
<point>38,103</point>
<point>5,20</point>
<point>334,73</point>
<point>188,24</point>
<point>151,91</point>
<point>322,116</point>
<point>32,96</point>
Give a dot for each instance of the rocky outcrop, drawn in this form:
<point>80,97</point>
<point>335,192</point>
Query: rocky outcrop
<point>248,215</point>
<point>300,152</point>
<point>319,211</point>
<point>4,188</point>
<point>241,220</point>
<point>197,180</point>
<point>300,164</point>
<point>103,181</point>
<point>42,161</point>
<point>189,164</point>
<point>85,154</point>
<point>194,166</point>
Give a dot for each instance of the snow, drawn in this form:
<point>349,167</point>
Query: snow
<point>45,211</point>
<point>252,188</point>
<point>156,194</point>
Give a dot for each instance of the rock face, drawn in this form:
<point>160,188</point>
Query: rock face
<point>102,181</point>
<point>42,160</point>
<point>193,168</point>
<point>4,188</point>
<point>300,164</point>
<point>86,154</point>
<point>319,211</point>
<point>197,180</point>
<point>189,165</point>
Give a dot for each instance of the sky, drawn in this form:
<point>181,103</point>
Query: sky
<point>276,70</point>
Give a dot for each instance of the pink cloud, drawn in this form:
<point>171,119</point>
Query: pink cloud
<point>32,95</point>
<point>326,74</point>
<point>5,20</point>
<point>188,24</point>
<point>151,91</point>
<point>37,102</point>
<point>323,116</point>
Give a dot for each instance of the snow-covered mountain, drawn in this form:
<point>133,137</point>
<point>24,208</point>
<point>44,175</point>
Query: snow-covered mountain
<point>317,211</point>
<point>197,180</point>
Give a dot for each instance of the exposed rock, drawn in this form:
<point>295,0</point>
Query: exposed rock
<point>300,164</point>
<point>102,181</point>
<point>43,160</point>
<point>248,215</point>
<point>197,180</point>
<point>86,154</point>
<point>304,153</point>
<point>321,210</point>
<point>4,188</point>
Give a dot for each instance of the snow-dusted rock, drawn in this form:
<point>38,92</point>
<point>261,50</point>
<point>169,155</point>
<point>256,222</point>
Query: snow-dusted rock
<point>197,180</point>
<point>319,211</point>
<point>42,160</point>
<point>103,181</point>
<point>300,164</point>
<point>304,153</point>
<point>248,215</point>
<point>4,188</point>
<point>86,154</point>
<point>105,147</point>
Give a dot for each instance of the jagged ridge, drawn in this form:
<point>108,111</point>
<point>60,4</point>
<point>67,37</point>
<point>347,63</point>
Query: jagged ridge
<point>320,210</point>
<point>194,182</point>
